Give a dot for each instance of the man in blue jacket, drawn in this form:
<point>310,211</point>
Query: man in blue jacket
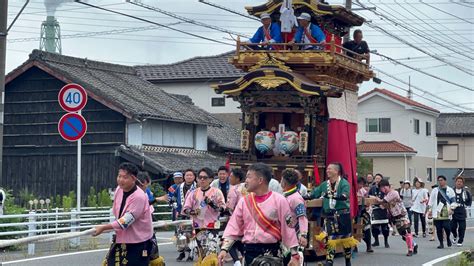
<point>309,33</point>
<point>267,34</point>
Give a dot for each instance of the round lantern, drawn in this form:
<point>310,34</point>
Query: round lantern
<point>264,141</point>
<point>288,142</point>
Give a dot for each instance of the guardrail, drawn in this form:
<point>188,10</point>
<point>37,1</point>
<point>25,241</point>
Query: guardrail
<point>56,221</point>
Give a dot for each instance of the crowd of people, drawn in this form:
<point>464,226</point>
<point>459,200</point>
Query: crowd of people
<point>252,218</point>
<point>406,207</point>
<point>305,35</point>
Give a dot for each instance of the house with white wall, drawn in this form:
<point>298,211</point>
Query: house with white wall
<point>128,119</point>
<point>398,134</point>
<point>455,133</point>
<point>193,77</point>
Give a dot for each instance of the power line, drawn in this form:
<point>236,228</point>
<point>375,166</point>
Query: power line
<point>416,31</point>
<point>417,88</point>
<point>462,4</point>
<point>423,72</point>
<point>89,34</point>
<point>447,13</point>
<point>192,21</point>
<point>152,22</point>
<point>228,10</point>
<point>428,24</point>
<point>421,96</point>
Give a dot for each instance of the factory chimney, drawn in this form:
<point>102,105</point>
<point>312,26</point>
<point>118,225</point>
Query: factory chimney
<point>50,36</point>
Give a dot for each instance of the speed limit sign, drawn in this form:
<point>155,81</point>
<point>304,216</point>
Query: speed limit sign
<point>72,97</point>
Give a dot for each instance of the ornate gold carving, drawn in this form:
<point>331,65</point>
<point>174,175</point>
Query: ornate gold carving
<point>270,83</point>
<point>270,61</point>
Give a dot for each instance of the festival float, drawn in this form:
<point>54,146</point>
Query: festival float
<point>299,106</point>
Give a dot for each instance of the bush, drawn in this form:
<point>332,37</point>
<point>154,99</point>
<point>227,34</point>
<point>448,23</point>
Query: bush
<point>92,198</point>
<point>157,189</point>
<point>67,203</point>
<point>11,208</point>
<point>104,199</point>
<point>24,197</point>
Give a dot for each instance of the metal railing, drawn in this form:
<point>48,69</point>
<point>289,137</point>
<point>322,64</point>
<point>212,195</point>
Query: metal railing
<point>326,47</point>
<point>55,221</point>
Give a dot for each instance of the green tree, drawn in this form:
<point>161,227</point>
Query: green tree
<point>364,166</point>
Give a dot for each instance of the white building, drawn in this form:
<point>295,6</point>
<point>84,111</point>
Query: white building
<point>193,78</point>
<point>455,133</point>
<point>399,134</point>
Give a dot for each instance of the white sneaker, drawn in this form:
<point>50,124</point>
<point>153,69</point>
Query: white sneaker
<point>237,263</point>
<point>459,244</point>
<point>455,240</point>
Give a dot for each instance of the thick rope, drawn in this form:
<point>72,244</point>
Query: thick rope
<point>62,236</point>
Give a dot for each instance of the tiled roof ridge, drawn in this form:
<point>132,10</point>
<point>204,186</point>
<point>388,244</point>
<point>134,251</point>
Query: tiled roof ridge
<point>153,148</point>
<point>81,62</point>
<point>393,142</point>
<point>188,60</point>
<point>457,114</point>
<point>399,97</point>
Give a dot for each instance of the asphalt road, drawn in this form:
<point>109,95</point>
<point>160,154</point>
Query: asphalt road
<point>395,255</point>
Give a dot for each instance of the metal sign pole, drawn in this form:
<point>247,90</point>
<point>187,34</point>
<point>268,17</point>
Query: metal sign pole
<point>79,155</point>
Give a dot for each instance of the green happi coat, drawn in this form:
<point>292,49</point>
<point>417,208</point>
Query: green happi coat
<point>343,188</point>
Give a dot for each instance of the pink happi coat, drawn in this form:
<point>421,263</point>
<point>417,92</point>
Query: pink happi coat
<point>135,224</point>
<point>298,211</point>
<point>242,226</point>
<point>207,217</point>
<point>235,194</point>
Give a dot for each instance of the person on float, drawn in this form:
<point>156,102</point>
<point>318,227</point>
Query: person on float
<point>398,214</point>
<point>357,48</point>
<point>337,228</point>
<point>309,34</point>
<point>266,34</point>
<point>262,221</point>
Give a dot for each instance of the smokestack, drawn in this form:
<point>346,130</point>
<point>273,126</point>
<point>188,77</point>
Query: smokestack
<point>50,36</point>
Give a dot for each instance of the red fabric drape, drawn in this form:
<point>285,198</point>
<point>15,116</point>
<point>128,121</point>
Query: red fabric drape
<point>317,178</point>
<point>342,148</point>
<point>227,163</point>
<point>337,41</point>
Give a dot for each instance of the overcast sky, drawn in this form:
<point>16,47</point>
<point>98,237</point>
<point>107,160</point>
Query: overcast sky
<point>432,26</point>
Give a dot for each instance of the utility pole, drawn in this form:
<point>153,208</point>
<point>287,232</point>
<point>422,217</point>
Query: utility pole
<point>348,7</point>
<point>3,55</point>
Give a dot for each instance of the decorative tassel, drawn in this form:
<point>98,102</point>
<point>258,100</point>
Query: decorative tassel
<point>160,261</point>
<point>209,260</point>
<point>347,242</point>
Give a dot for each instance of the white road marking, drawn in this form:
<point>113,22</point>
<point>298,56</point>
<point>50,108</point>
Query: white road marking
<point>433,262</point>
<point>67,254</point>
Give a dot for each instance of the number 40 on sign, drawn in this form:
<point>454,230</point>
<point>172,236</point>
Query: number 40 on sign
<point>72,97</point>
